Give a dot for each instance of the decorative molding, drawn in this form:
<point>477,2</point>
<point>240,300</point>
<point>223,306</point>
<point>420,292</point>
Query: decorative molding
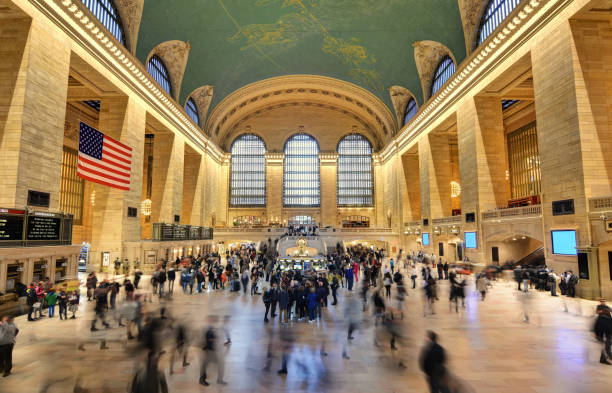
<point>400,97</point>
<point>202,96</point>
<point>73,18</point>
<point>174,54</point>
<point>471,13</point>
<point>371,112</point>
<point>427,56</point>
<point>130,12</point>
<point>518,27</point>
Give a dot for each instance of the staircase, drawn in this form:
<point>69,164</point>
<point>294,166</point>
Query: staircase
<point>535,258</point>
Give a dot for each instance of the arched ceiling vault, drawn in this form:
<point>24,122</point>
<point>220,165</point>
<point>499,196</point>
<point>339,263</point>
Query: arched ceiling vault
<point>237,42</point>
<point>371,115</point>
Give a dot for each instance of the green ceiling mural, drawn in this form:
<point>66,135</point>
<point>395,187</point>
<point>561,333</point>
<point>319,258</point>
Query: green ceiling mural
<point>237,42</point>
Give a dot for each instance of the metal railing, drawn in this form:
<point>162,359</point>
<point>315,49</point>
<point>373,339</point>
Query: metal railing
<point>447,220</point>
<point>514,212</point>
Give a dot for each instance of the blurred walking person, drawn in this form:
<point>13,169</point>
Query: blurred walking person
<point>432,362</point>
<point>211,353</point>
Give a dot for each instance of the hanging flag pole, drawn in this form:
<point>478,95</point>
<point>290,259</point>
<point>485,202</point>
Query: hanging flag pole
<point>102,159</point>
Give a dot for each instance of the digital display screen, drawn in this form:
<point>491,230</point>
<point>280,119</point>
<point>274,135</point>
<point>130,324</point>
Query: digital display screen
<point>564,242</point>
<point>43,228</point>
<point>11,227</point>
<point>425,238</point>
<point>471,240</point>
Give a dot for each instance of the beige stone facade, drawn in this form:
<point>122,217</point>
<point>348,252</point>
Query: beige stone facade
<point>444,173</point>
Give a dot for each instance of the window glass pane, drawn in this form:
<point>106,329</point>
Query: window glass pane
<point>158,71</point>
<point>107,14</point>
<point>496,12</point>
<point>355,176</point>
<point>301,178</point>
<point>192,111</point>
<point>445,69</point>
<point>248,172</point>
<point>411,110</point>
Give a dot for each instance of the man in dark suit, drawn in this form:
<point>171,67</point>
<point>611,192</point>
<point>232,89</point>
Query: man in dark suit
<point>432,362</point>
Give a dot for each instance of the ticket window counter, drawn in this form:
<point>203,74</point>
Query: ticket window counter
<point>61,267</point>
<point>40,270</point>
<point>14,274</point>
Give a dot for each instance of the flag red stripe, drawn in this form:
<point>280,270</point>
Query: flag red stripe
<point>106,168</point>
<point>117,142</point>
<point>102,174</point>
<point>106,152</point>
<point>118,151</point>
<point>102,182</point>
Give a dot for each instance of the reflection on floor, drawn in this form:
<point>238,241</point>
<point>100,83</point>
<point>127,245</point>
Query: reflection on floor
<point>489,347</point>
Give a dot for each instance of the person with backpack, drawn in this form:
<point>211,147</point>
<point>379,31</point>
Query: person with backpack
<point>31,300</point>
<point>334,287</point>
<point>267,300</point>
<point>62,299</point>
<point>200,279</point>
<point>51,300</point>
<point>171,277</point>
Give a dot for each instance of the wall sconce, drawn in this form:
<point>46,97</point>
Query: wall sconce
<point>92,198</point>
<point>145,207</point>
<point>455,189</point>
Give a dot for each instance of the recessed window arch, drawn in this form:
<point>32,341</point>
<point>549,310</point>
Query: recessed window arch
<point>248,171</point>
<point>301,177</point>
<point>445,69</point>
<point>494,15</point>
<point>106,12</point>
<point>411,110</point>
<point>159,72</point>
<point>355,175</point>
<point>192,111</point>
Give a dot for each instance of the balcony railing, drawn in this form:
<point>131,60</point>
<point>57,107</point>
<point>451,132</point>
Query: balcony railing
<point>600,204</point>
<point>515,212</point>
<point>412,224</point>
<point>451,220</point>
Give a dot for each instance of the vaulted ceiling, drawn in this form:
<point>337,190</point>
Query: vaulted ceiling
<point>238,42</point>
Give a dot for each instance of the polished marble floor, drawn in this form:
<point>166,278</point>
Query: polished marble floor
<point>490,348</point>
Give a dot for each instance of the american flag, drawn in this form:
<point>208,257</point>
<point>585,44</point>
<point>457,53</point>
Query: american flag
<point>103,160</point>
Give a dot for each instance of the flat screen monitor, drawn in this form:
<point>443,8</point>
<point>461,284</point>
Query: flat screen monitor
<point>425,238</point>
<point>471,240</point>
<point>564,242</point>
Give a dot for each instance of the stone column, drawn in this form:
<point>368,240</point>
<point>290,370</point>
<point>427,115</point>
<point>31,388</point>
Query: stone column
<point>329,192</point>
<point>563,139</point>
<point>168,165</point>
<point>123,119</point>
<point>379,202</point>
<point>482,162</point>
<point>410,186</point>
<point>34,67</point>
<point>435,175</point>
<point>480,130</point>
<point>193,188</point>
<point>274,185</point>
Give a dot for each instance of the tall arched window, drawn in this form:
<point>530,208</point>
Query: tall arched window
<point>301,178</point>
<point>496,12</point>
<point>445,69</point>
<point>411,110</point>
<point>159,72</point>
<point>248,171</point>
<point>107,14</point>
<point>192,110</point>
<point>355,177</point>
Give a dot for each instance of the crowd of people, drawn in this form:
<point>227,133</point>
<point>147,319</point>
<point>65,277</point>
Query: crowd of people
<point>372,286</point>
